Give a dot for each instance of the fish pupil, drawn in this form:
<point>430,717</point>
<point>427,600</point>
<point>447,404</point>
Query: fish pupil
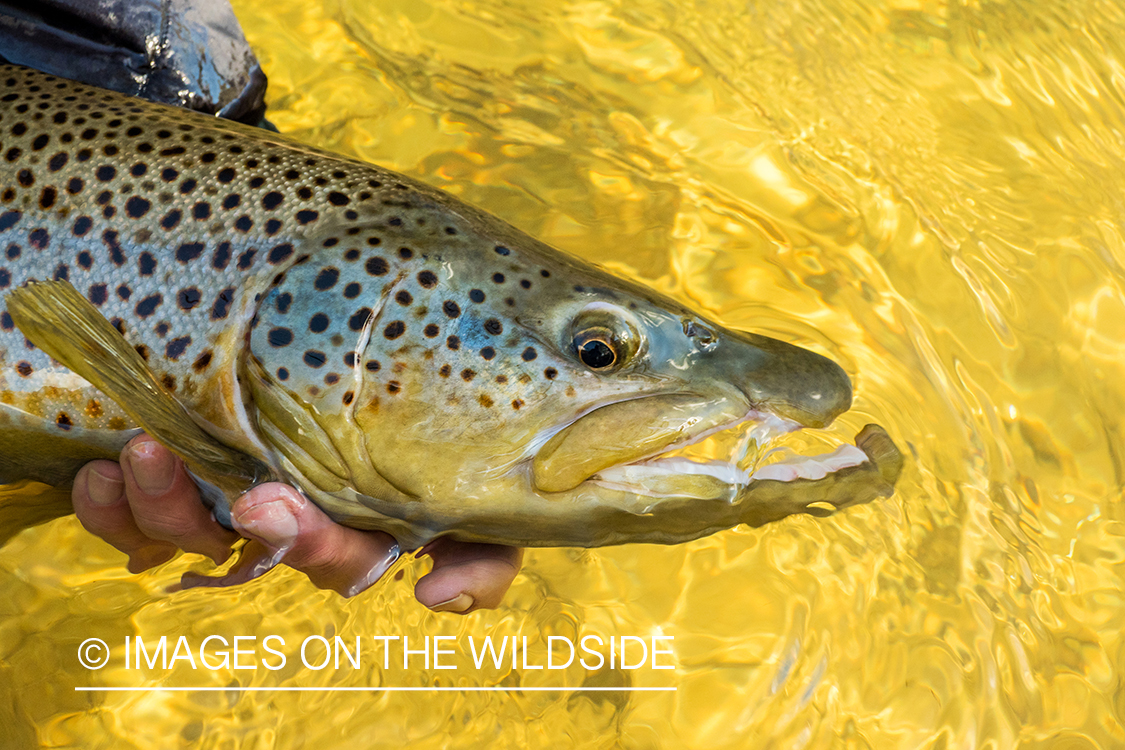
<point>596,354</point>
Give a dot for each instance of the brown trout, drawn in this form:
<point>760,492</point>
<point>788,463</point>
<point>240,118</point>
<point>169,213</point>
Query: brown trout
<point>411,363</point>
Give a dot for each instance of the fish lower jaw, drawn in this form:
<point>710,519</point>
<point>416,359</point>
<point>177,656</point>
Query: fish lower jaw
<point>679,476</point>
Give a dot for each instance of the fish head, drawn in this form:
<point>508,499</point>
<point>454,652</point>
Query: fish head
<point>481,369</point>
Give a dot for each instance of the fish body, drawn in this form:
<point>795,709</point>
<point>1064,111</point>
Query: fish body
<point>412,363</point>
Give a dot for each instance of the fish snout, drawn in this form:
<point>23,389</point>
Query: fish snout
<point>787,380</point>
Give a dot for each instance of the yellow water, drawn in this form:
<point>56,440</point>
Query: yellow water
<point>932,193</point>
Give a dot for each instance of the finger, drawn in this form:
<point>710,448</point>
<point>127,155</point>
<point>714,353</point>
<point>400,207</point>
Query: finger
<point>334,557</point>
<point>100,504</point>
<point>165,502</point>
<point>467,577</point>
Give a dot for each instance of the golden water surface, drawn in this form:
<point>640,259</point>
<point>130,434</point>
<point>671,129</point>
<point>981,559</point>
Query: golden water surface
<point>932,193</point>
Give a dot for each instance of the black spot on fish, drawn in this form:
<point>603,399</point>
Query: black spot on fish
<point>222,304</point>
<point>427,279</point>
<point>176,347</point>
<point>493,326</point>
<point>405,253</point>
<point>403,297</point>
<point>138,169</point>
<point>188,298</point>
<point>201,362</point>
<point>488,352</point>
<point>326,279</point>
<point>468,374</point>
<point>40,143</point>
<point>8,220</point>
<point>338,199</point>
<point>283,301</point>
<point>168,175</point>
<point>225,175</point>
<point>280,337</point>
<point>106,173</point>
<point>271,200</point>
<point>372,365</point>
<point>63,421</point>
<point>359,319</point>
<point>221,257</point>
<point>318,323</point>
<point>147,264</point>
<point>525,283</point>
<point>272,226</point>
<point>451,309</point>
<point>85,260</point>
<point>97,294</point>
<point>74,185</point>
<point>57,162</point>
<point>314,358</point>
<point>282,373</point>
<point>243,223</point>
<point>352,290</point>
<point>246,259</point>
<point>394,329</point>
<point>550,373</point>
<point>431,330</point>
<point>189,251</point>
<point>545,274</point>
<point>453,342</point>
<point>393,387</point>
<point>201,210</point>
<point>349,396</point>
<point>47,197</point>
<point>280,253</point>
<point>124,292</point>
<point>109,237</point>
<point>39,238</point>
<point>501,250</point>
<point>187,186</point>
<point>148,305</point>
<point>476,295</point>
<point>377,266</point>
<point>24,369</point>
<point>136,207</point>
<point>498,278</point>
<point>445,371</point>
<point>171,219</point>
<point>529,354</point>
<point>304,217</point>
<point>6,322</point>
<point>232,201</point>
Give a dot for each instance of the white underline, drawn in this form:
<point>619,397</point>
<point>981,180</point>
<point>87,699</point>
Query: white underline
<point>496,689</point>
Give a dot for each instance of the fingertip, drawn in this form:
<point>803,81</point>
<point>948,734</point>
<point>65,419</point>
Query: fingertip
<point>467,577</point>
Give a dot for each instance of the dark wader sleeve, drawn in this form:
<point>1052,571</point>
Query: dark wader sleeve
<point>190,53</point>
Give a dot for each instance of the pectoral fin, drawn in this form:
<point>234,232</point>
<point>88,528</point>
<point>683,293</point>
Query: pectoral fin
<point>63,323</point>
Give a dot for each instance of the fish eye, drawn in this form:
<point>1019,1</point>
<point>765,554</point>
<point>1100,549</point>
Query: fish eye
<point>596,348</point>
<point>604,337</point>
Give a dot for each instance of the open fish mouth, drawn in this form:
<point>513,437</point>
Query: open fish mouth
<point>644,447</point>
<point>672,474</point>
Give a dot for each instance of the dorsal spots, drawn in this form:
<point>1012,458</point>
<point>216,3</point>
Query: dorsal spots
<point>529,354</point>
<point>85,260</point>
<point>445,371</point>
<point>493,326</point>
<point>375,266</point>
<point>372,365</point>
<point>246,259</point>
<point>201,210</point>
<point>124,292</point>
<point>176,347</point>
<point>243,223</point>
<point>189,251</point>
<point>485,400</point>
<point>201,362</point>
<point>146,264</point>
<point>136,207</point>
<point>405,253</point>
<point>63,421</point>
<point>24,369</point>
<point>359,319</point>
<point>453,342</point>
<point>138,169</point>
<point>25,178</point>
<point>280,336</point>
<point>550,373</point>
<point>283,301</point>
<point>58,161</point>
<point>221,256</point>
<point>304,217</point>
<point>189,298</point>
<point>501,250</point>
<point>148,305</point>
<point>451,309</point>
<point>394,387</point>
<point>487,352</point>
<point>171,219</point>
<point>318,323</point>
<point>271,200</point>
<point>394,329</point>
<point>97,294</point>
<point>272,226</point>
<point>109,237</point>
<point>8,220</point>
<point>326,279</point>
<point>352,290</point>
<point>338,199</point>
<point>222,304</point>
<point>498,278</point>
<point>467,374</point>
<point>282,373</point>
<point>403,297</point>
<point>225,175</point>
<point>476,295</point>
<point>39,238</point>
<point>74,185</point>
<point>106,172</point>
<point>431,331</point>
<point>314,358</point>
<point>525,283</point>
<point>187,186</point>
<point>427,279</point>
<point>280,253</point>
<point>232,201</point>
<point>47,197</point>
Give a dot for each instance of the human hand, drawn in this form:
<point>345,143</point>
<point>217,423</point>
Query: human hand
<point>148,507</point>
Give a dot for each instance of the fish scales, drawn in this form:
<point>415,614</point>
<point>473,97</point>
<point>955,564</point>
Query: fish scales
<point>173,226</point>
<point>411,362</point>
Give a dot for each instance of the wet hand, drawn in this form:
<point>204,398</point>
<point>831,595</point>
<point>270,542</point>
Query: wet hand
<point>148,507</point>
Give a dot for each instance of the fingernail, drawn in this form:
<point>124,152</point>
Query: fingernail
<point>103,490</point>
<point>150,557</point>
<point>460,603</point>
<point>271,521</point>
<point>154,468</point>
<point>375,573</point>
